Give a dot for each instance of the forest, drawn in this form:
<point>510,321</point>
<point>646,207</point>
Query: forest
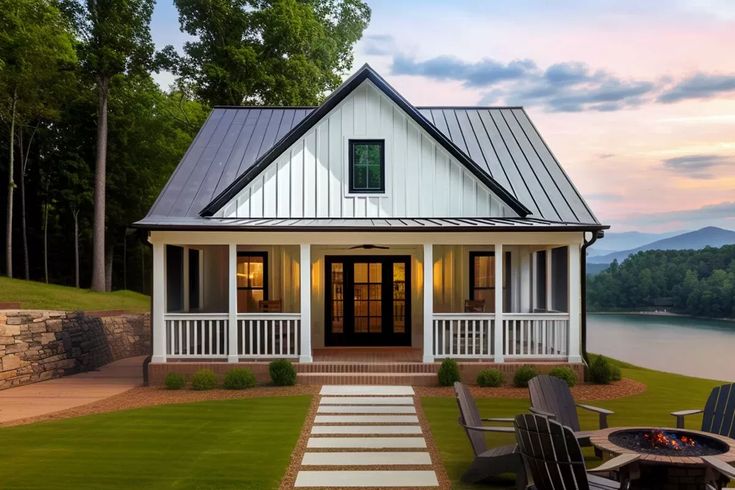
<point>88,138</point>
<point>692,282</point>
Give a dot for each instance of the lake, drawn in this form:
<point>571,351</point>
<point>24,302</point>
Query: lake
<point>693,346</point>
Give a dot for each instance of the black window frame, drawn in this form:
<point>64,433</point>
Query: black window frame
<point>264,255</point>
<point>351,157</point>
<point>505,280</point>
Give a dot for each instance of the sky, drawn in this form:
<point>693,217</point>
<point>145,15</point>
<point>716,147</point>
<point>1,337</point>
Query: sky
<point>636,99</point>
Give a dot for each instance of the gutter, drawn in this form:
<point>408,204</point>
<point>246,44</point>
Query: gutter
<point>583,268</point>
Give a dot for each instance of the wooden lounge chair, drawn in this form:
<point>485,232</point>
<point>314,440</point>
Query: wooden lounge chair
<point>551,397</point>
<point>488,462</point>
<point>554,458</point>
<point>270,306</point>
<point>719,412</point>
<point>474,305</point>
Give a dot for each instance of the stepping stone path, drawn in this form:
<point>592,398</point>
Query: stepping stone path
<point>366,436</point>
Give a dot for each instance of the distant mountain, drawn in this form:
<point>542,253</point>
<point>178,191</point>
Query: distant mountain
<point>626,240</point>
<point>710,236</point>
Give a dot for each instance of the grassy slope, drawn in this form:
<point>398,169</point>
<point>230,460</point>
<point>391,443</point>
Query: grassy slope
<point>38,295</point>
<point>666,392</point>
<point>244,444</point>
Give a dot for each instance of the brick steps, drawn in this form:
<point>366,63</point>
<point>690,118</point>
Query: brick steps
<point>400,379</point>
<point>366,367</point>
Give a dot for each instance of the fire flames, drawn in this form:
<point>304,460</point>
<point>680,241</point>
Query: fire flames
<point>659,438</point>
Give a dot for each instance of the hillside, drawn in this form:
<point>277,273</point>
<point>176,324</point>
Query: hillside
<point>38,295</point>
<point>710,236</point>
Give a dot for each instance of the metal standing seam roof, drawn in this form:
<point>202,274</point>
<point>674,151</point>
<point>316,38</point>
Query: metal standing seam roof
<point>502,142</point>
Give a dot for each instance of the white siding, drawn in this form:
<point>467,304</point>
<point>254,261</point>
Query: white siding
<point>309,179</point>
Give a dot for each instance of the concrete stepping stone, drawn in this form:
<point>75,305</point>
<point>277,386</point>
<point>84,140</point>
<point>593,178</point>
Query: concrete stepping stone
<point>367,390</point>
<point>366,419</point>
<point>365,429</point>
<point>366,400</point>
<point>352,479</point>
<point>366,409</point>
<point>372,458</point>
<point>365,442</point>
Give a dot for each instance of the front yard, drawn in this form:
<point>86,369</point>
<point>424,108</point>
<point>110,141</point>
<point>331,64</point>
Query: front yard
<point>243,444</point>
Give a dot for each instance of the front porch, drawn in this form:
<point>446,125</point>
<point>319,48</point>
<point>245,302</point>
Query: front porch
<point>402,297</point>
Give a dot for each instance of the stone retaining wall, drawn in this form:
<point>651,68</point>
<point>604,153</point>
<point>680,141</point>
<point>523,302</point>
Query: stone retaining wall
<point>40,345</point>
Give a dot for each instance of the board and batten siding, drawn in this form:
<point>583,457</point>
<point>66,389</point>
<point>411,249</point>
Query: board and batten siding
<point>309,180</point>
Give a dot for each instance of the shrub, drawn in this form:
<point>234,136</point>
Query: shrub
<point>602,372</point>
<point>174,381</point>
<point>448,372</point>
<point>564,373</point>
<point>490,377</point>
<point>523,375</point>
<point>616,374</point>
<point>239,379</point>
<point>282,372</point>
<point>204,379</point>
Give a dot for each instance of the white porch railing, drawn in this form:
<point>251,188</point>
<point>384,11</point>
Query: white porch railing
<point>268,334</point>
<point>536,335</point>
<point>191,335</point>
<point>463,335</point>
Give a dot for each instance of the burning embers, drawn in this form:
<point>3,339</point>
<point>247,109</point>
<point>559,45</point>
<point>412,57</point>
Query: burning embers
<point>669,440</point>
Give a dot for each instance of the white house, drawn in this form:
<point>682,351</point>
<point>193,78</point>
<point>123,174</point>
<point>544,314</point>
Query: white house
<point>368,229</point>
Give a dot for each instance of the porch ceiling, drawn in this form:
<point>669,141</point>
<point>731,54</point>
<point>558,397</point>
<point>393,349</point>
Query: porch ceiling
<point>368,224</point>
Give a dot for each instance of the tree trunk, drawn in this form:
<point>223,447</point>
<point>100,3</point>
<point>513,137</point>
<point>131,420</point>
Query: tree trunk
<point>108,266</point>
<point>45,237</point>
<point>98,248</point>
<point>75,213</point>
<point>11,188</point>
<point>24,152</point>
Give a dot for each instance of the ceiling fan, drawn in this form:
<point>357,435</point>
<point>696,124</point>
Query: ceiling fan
<point>369,246</point>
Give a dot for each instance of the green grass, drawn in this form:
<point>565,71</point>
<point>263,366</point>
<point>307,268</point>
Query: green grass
<point>38,295</point>
<point>244,444</point>
<point>665,393</point>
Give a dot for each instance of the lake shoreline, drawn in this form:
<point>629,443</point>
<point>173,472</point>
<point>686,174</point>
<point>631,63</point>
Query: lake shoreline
<point>659,313</point>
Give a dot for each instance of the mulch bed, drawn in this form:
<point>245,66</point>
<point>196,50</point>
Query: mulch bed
<point>152,396</point>
<point>617,389</point>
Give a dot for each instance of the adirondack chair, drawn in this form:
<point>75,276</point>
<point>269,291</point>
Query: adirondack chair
<point>719,412</point>
<point>554,458</point>
<point>551,397</point>
<point>488,462</point>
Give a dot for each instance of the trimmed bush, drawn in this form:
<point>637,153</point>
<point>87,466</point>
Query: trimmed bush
<point>282,372</point>
<point>448,372</point>
<point>523,375</point>
<point>204,379</point>
<point>602,372</point>
<point>490,377</point>
<point>564,373</point>
<point>239,379</point>
<point>174,381</point>
<point>616,374</point>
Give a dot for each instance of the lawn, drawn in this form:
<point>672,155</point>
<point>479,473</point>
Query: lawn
<point>666,392</point>
<point>38,295</point>
<point>244,444</point>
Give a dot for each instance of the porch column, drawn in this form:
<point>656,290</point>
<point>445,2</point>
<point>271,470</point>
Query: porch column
<point>159,306</point>
<point>232,308</point>
<point>185,278</point>
<point>428,302</point>
<point>549,282</point>
<point>525,265</point>
<point>499,330</point>
<point>575,303</point>
<point>305,288</point>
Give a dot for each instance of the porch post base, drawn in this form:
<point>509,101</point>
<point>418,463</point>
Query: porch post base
<point>575,359</point>
<point>305,359</point>
<point>158,359</point>
<point>428,359</point>
<point>233,358</point>
<point>499,360</point>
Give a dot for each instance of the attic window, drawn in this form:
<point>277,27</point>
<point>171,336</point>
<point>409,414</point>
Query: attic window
<point>367,166</point>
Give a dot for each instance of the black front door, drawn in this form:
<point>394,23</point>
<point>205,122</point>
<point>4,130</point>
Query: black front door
<point>368,300</point>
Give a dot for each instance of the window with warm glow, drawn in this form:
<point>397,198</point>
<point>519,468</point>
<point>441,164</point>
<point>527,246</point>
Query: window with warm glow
<point>483,281</point>
<point>252,280</point>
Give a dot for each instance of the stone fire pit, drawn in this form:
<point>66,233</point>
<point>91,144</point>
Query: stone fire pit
<point>670,459</point>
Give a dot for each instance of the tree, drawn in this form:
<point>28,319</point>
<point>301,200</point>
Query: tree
<point>34,46</point>
<point>115,39</point>
<point>265,51</point>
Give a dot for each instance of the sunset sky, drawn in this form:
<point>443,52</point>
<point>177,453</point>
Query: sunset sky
<point>635,98</point>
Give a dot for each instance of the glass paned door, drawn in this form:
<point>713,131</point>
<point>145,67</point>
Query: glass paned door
<point>368,300</point>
